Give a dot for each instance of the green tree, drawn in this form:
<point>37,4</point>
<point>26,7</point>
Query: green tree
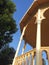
<point>6,55</point>
<point>7,28</point>
<point>7,23</point>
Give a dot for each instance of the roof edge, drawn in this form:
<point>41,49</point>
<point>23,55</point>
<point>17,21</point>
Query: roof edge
<point>26,12</point>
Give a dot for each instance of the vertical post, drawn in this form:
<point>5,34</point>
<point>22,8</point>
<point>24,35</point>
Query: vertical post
<point>19,45</point>
<point>24,47</point>
<point>32,60</point>
<point>48,57</point>
<point>38,40</point>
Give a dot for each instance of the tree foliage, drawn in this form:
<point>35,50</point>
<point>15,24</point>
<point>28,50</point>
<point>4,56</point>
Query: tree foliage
<point>7,28</point>
<point>7,23</point>
<point>6,55</point>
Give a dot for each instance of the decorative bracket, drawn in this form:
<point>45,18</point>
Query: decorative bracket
<point>41,15</point>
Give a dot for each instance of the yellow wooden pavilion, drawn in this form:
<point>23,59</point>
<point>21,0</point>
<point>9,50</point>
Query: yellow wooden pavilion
<point>34,27</point>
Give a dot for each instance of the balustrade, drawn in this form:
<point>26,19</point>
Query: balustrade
<point>28,58</point>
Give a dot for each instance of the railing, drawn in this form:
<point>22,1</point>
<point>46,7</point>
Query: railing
<point>28,58</point>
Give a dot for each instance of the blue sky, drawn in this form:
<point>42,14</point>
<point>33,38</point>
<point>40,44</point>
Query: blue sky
<point>21,8</point>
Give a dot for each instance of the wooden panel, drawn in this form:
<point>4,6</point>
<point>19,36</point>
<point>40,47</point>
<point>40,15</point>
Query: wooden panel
<point>30,33</point>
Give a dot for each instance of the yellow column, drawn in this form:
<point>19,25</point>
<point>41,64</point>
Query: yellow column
<point>32,58</point>
<point>38,40</point>
<point>24,48</point>
<point>19,45</point>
